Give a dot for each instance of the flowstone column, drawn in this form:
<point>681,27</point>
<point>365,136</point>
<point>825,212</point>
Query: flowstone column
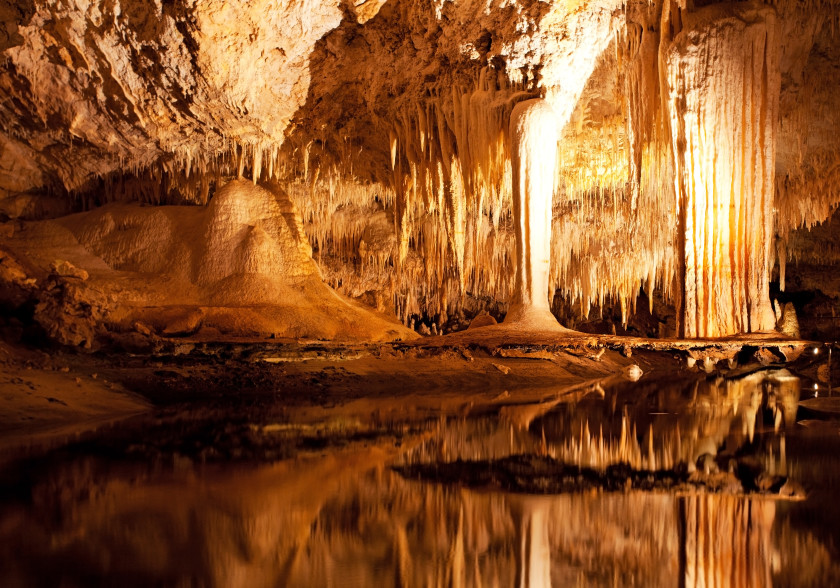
<point>723,95</point>
<point>533,134</point>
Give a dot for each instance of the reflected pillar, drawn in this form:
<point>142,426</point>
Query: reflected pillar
<point>725,541</point>
<point>533,556</point>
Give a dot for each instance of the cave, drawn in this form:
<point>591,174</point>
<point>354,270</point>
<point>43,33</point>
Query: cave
<point>419,292</point>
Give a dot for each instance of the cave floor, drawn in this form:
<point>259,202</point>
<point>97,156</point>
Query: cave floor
<point>52,395</point>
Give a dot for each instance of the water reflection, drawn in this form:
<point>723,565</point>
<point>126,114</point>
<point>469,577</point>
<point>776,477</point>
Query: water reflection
<point>649,427</point>
<point>341,516</point>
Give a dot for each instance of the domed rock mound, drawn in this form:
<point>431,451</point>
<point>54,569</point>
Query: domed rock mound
<point>239,267</point>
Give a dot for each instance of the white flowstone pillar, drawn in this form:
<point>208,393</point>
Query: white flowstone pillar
<point>533,134</point>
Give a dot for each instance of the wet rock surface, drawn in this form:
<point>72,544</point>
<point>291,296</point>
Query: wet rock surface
<point>536,475</point>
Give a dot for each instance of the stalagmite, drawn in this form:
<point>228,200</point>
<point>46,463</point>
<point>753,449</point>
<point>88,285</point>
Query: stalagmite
<point>534,160</point>
<point>724,79</point>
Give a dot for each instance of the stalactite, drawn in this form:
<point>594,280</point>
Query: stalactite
<point>808,177</point>
<point>185,176</point>
<point>448,195</point>
<point>613,231</point>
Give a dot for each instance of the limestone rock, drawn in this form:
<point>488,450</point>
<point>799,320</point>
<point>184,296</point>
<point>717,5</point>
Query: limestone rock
<point>787,323</point>
<point>16,286</point>
<point>502,368</point>
<point>249,230</point>
<point>633,372</point>
<point>185,324</point>
<point>482,320</point>
<point>71,312</point>
<point>65,269</point>
<point>765,356</point>
<point>132,82</point>
<point>238,267</point>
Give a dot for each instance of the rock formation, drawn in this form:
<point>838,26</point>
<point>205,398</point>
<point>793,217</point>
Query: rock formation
<point>534,171</point>
<point>239,266</point>
<point>694,141</point>
<point>723,82</point>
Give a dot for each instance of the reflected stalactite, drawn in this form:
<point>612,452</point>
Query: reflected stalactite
<point>375,530</point>
<point>726,541</point>
<point>716,416</point>
<point>707,418</point>
<point>533,554</point>
<point>342,517</point>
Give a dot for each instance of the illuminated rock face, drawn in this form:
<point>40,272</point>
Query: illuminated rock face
<point>391,126</point>
<point>723,83</point>
<point>127,82</point>
<point>239,267</point>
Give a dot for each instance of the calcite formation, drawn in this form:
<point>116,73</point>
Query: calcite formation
<point>690,141</point>
<point>723,82</point>
<point>240,266</point>
<point>534,165</point>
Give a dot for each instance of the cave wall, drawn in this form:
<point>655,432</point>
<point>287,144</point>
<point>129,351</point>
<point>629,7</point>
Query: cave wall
<point>387,125</point>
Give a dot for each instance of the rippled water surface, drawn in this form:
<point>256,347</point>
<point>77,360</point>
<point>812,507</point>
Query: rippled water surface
<point>699,482</point>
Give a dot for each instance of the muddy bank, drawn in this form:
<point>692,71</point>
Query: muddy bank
<point>64,392</point>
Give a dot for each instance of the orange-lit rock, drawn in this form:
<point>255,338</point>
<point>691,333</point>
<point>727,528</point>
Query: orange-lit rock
<point>693,141</point>
<point>723,80</point>
<point>239,267</point>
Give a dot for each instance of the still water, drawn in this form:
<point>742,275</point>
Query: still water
<point>699,482</point>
